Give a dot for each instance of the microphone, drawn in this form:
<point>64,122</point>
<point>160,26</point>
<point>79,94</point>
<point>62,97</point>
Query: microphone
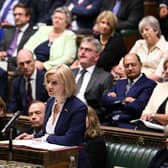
<point>11,121</point>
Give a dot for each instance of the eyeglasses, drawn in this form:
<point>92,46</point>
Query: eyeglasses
<point>87,49</point>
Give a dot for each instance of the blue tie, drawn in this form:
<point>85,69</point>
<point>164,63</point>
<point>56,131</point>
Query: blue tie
<point>6,9</point>
<point>116,7</point>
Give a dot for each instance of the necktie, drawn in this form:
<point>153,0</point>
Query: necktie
<point>116,7</point>
<point>6,9</point>
<point>129,85</point>
<point>80,80</point>
<point>29,92</point>
<point>13,44</point>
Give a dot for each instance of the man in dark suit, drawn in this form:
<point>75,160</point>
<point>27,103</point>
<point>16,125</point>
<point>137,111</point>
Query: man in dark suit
<point>84,13</point>
<point>36,112</point>
<point>95,80</point>
<point>129,12</point>
<point>126,99</point>
<point>7,51</point>
<point>19,94</point>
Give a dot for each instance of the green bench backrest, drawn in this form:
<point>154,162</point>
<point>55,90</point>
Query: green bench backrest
<point>129,155</point>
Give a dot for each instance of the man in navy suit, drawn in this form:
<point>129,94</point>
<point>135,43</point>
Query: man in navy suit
<point>19,87</point>
<point>129,12</point>
<point>126,99</point>
<point>95,80</point>
<point>84,12</point>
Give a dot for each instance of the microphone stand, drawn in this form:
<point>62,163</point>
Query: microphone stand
<point>10,146</point>
<point>9,127</point>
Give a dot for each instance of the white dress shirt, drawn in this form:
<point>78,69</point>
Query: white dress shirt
<point>86,80</point>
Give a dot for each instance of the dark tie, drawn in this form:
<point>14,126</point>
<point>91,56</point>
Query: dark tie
<point>29,92</point>
<point>116,7</point>
<point>6,10</point>
<point>80,80</point>
<point>13,44</point>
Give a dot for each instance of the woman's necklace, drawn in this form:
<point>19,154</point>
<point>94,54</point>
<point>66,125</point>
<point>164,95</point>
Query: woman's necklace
<point>103,42</point>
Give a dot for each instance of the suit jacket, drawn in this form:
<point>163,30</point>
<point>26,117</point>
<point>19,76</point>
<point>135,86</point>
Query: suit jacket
<point>70,126</point>
<point>18,96</point>
<point>141,91</point>
<point>129,14</point>
<point>3,84</point>
<point>99,82</point>
<point>42,10</point>
<point>85,17</point>
<point>114,50</point>
<point>157,98</point>
<point>8,36</point>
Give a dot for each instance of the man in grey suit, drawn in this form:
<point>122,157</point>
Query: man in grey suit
<point>95,80</point>
<point>18,35</point>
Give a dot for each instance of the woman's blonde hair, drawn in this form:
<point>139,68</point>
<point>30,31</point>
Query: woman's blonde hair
<point>112,19</point>
<point>65,76</point>
<point>93,129</point>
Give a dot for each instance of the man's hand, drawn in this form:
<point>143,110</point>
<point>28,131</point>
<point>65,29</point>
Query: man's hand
<point>129,100</point>
<point>112,94</point>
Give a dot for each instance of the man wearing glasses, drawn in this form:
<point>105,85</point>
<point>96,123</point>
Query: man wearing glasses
<point>91,80</point>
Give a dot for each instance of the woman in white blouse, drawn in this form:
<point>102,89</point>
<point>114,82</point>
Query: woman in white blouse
<point>152,49</point>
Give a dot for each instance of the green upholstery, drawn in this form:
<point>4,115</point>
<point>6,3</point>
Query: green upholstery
<point>129,155</point>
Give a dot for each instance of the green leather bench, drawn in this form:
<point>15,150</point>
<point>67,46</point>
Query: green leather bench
<point>129,155</point>
<point>131,148</point>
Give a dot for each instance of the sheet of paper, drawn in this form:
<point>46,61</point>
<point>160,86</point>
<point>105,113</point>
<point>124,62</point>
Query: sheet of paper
<point>36,144</point>
<point>149,124</point>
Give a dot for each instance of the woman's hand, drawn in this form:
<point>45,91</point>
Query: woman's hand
<point>24,136</point>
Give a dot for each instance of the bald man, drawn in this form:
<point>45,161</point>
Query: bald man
<point>36,114</point>
<point>30,77</point>
<point>127,98</point>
